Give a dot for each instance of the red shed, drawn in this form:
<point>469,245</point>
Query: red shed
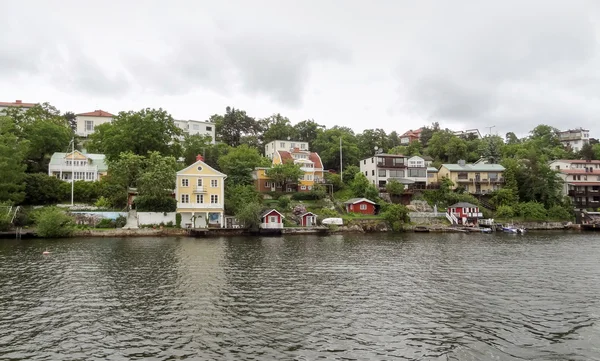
<point>271,219</point>
<point>308,219</point>
<point>464,213</point>
<point>360,205</point>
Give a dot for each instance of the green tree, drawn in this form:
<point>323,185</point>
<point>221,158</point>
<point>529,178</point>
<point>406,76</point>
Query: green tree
<point>53,222</point>
<point>237,196</point>
<point>194,145</point>
<point>491,148</point>
<point>439,143</point>
<point>233,125</point>
<point>427,133</point>
<point>308,131</point>
<point>158,177</point>
<point>42,189</point>
<point>285,173</point>
<point>12,168</point>
<point>277,127</point>
<point>456,149</point>
<point>370,139</point>
<point>396,215</point>
<point>362,188</point>
<point>587,152</point>
<point>394,188</point>
<point>239,163</point>
<point>327,145</point>
<point>505,212</point>
<point>71,120</point>
<point>147,130</point>
<point>249,215</point>
<point>126,169</point>
<point>349,173</point>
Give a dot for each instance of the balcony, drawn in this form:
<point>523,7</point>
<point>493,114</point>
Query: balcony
<point>464,180</point>
<point>200,189</point>
<point>200,205</point>
<point>497,180</point>
<point>271,225</point>
<point>390,165</point>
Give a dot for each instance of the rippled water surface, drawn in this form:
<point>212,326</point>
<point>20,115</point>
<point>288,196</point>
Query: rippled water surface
<point>412,297</point>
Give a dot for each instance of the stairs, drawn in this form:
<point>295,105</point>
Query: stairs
<point>132,220</point>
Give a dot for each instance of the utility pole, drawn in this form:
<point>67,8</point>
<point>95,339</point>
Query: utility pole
<point>341,167</point>
<point>72,168</point>
<point>490,129</point>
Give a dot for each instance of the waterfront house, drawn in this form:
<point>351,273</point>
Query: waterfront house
<point>381,168</point>
<point>87,122</point>
<point>480,178</point>
<point>580,181</point>
<point>271,219</point>
<point>200,193</point>
<point>411,136</point>
<point>77,166</point>
<point>308,219</point>
<point>463,213</point>
<point>360,205</point>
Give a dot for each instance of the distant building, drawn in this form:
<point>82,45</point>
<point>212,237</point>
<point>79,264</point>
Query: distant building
<point>275,146</point>
<point>16,104</point>
<point>463,213</point>
<point>271,219</point>
<point>575,138</point>
<point>475,178</point>
<point>360,205</point>
<point>381,168</point>
<point>197,127</point>
<point>87,122</point>
<point>581,181</point>
<point>468,133</point>
<point>411,136</point>
<point>77,166</point>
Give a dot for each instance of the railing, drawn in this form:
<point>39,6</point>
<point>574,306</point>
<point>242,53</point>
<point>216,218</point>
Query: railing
<point>200,189</point>
<point>390,165</point>
<point>200,205</point>
<point>271,225</point>
<point>452,218</point>
<point>464,180</point>
<point>69,168</point>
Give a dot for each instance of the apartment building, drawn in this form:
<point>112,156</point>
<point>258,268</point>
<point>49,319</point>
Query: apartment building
<point>479,178</point>
<point>575,138</point>
<point>87,122</point>
<point>381,168</point>
<point>581,181</point>
<point>197,127</point>
<point>16,104</point>
<point>275,146</point>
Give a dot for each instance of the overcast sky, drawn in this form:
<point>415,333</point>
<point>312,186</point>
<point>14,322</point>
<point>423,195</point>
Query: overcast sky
<point>392,64</point>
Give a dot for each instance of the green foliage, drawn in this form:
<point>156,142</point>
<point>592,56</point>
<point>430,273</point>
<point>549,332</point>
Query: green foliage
<point>327,145</point>
<point>234,125</point>
<point>121,221</point>
<point>161,203</point>
<point>371,138</point>
<point>178,220</point>
<point>305,196</point>
<point>102,203</point>
<point>42,189</point>
<point>237,195</point>
<point>560,213</point>
<point>12,168</point>
<point>349,173</point>
<point>308,131</point>
<point>239,163</point>
<point>277,127</point>
<point>194,145</point>
<point>326,213</point>
<point>147,130</point>
<point>53,222</point>
<point>83,192</point>
<point>249,215</point>
<point>285,173</point>
<point>158,179</point>
<point>395,215</point>
<point>283,203</point>
<point>361,187</point>
<point>394,188</point>
<point>505,212</point>
<point>5,221</point>
<point>106,223</point>
<point>531,211</point>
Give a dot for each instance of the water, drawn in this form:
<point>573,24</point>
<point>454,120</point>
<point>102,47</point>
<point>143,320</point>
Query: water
<point>382,297</point>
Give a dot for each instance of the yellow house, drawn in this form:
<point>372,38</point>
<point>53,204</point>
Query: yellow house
<point>309,162</point>
<point>200,196</point>
<point>479,178</point>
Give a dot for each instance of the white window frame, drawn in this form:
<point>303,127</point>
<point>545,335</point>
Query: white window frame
<point>185,198</point>
<point>214,199</point>
<point>363,207</point>
<point>273,219</point>
<point>214,183</point>
<point>87,123</point>
<point>199,182</point>
<point>199,198</point>
<point>185,182</point>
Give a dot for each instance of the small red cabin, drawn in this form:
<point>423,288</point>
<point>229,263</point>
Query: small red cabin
<point>308,219</point>
<point>360,205</point>
<point>465,213</point>
<point>271,219</point>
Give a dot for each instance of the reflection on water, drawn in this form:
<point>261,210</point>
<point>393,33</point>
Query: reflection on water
<point>413,297</point>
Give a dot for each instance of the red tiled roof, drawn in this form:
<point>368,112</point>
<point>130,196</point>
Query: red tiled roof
<point>97,113</point>
<point>17,103</point>
<point>316,159</point>
<point>412,133</point>
<point>584,183</point>
<point>285,156</point>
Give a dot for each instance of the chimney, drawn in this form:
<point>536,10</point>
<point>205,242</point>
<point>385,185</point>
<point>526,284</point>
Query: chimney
<point>18,101</point>
<point>461,162</point>
<point>199,157</point>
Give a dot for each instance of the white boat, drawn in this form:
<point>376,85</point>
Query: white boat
<point>512,229</point>
<point>336,221</point>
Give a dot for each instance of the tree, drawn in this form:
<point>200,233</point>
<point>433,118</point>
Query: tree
<point>596,148</point>
<point>71,120</point>
<point>491,148</point>
<point>308,131</point>
<point>239,163</point>
<point>438,145</point>
<point>394,188</point>
<point>249,215</point>
<point>285,173</point>
<point>126,169</point>
<point>237,196</point>
<point>456,149</point>
<point>396,215</point>
<point>158,178</point>
<point>12,168</point>
<point>327,145</point>
<point>349,174</point>
<point>362,188</point>
<point>427,133</point>
<point>53,222</point>
<point>194,145</point>
<point>277,127</point>
<point>587,152</point>
<point>147,130</point>
<point>42,189</point>
<point>369,139</point>
<point>233,125</point>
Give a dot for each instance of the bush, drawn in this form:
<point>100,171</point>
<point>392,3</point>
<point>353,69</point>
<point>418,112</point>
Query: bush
<point>560,213</point>
<point>505,212</point>
<point>155,204</point>
<point>106,223</point>
<point>170,224</point>
<point>102,202</point>
<point>396,215</point>
<point>42,189</point>
<point>178,220</point>
<point>304,196</point>
<point>283,203</point>
<point>4,220</point>
<point>53,222</point>
<point>532,211</point>
<point>120,222</point>
<point>327,213</point>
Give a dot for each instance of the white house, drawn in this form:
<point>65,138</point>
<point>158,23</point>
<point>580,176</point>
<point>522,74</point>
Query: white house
<point>575,138</point>
<point>381,168</point>
<point>581,181</point>
<point>78,166</point>
<point>197,127</point>
<point>468,133</point>
<point>16,104</point>
<point>284,145</point>
<point>87,122</point>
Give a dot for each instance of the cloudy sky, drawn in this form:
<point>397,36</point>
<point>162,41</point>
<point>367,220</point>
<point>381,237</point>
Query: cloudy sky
<point>391,64</point>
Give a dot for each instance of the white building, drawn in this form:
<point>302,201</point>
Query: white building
<point>78,166</point>
<point>284,145</point>
<point>87,122</point>
<point>581,181</point>
<point>16,104</point>
<point>468,133</point>
<point>381,168</point>
<point>575,138</point>
<point>197,127</point>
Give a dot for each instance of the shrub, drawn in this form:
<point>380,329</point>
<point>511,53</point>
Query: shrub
<point>327,213</point>
<point>505,212</point>
<point>53,222</point>
<point>532,211</point>
<point>4,220</point>
<point>120,222</point>
<point>249,215</point>
<point>170,224</point>
<point>396,215</point>
<point>102,202</point>
<point>304,196</point>
<point>560,213</point>
<point>178,220</point>
<point>42,189</point>
<point>106,223</point>
<point>155,204</point>
<point>283,203</point>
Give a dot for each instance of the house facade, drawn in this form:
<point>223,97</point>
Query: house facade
<point>77,166</point>
<point>308,219</point>
<point>275,146</point>
<point>475,178</point>
<point>469,133</point>
<point>197,127</point>
<point>200,193</point>
<point>575,138</point>
<point>411,136</point>
<point>15,104</point>
<point>381,168</point>
<point>87,122</point>
<point>309,162</point>
<point>581,181</point>
<point>360,205</point>
<point>463,213</point>
<point>271,219</point>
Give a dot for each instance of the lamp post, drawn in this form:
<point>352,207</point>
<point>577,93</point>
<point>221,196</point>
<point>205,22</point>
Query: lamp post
<point>490,129</point>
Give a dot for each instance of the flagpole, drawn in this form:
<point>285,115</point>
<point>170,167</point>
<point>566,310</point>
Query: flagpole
<point>341,167</point>
<point>72,168</point>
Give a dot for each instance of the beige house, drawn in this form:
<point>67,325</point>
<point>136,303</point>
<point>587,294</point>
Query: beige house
<point>478,178</point>
<point>87,122</point>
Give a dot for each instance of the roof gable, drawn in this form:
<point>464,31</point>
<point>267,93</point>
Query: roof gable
<point>267,212</point>
<point>358,200</point>
<point>205,171</point>
<point>97,113</point>
<point>463,205</point>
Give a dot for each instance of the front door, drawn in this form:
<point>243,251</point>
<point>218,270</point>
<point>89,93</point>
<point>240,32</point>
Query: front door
<point>309,221</point>
<point>478,188</point>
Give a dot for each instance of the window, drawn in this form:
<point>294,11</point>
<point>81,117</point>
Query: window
<point>282,145</point>
<point>558,167</point>
<point>416,172</point>
<point>365,161</point>
<point>272,219</point>
<point>214,183</point>
<point>214,199</point>
<point>373,172</point>
<point>363,207</point>
<point>366,173</point>
<point>303,187</point>
<point>209,129</point>
<point>397,161</point>
<point>430,175</point>
<point>308,177</point>
<point>199,182</point>
<point>396,173</point>
<point>302,146</point>
<point>89,125</point>
<point>185,198</point>
<point>199,198</point>
<point>196,127</point>
<point>463,175</point>
<point>293,145</point>
<point>373,160</point>
<point>309,188</point>
<point>185,182</point>
<point>382,172</point>
<point>199,168</point>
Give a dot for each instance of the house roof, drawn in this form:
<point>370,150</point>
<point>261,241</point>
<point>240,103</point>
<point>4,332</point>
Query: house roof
<point>98,160</point>
<point>267,212</point>
<point>358,200</point>
<point>414,133</point>
<point>307,213</point>
<point>204,165</point>
<point>576,161</point>
<point>316,160</point>
<point>17,103</point>
<point>285,156</point>
<point>427,158</point>
<point>463,205</point>
<point>97,113</point>
<point>312,157</point>
<point>474,167</point>
<point>432,169</point>
<point>584,183</point>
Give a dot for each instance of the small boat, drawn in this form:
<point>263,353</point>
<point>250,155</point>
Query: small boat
<point>421,229</point>
<point>485,230</point>
<point>512,229</point>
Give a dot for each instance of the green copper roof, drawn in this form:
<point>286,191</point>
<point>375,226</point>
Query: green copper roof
<point>96,160</point>
<point>474,167</point>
